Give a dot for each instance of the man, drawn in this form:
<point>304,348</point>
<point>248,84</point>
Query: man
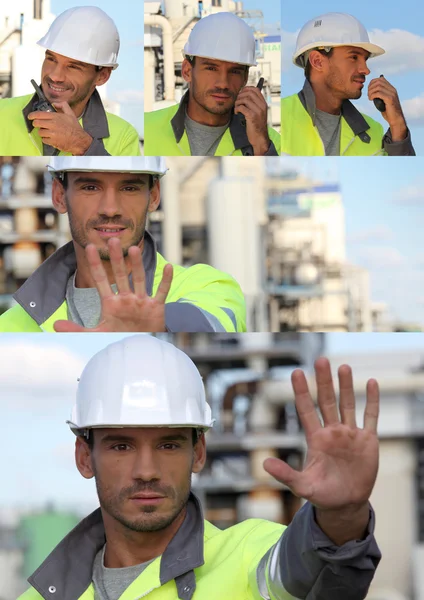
<point>218,115</point>
<point>140,419</point>
<point>110,277</point>
<point>333,49</point>
<point>82,47</point>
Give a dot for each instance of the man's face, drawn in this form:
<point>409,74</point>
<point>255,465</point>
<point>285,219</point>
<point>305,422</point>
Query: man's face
<point>345,71</point>
<point>143,475</point>
<point>105,205</point>
<point>215,84</point>
<point>66,80</point>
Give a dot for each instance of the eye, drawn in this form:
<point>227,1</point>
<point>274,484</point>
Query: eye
<point>130,188</point>
<point>89,187</point>
<point>210,68</point>
<point>170,446</point>
<point>237,72</point>
<point>120,447</point>
<point>76,67</point>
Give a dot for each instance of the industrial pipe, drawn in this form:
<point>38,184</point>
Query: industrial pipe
<point>168,57</point>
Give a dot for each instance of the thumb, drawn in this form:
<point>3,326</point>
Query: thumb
<point>283,473</point>
<point>64,108</point>
<point>67,326</point>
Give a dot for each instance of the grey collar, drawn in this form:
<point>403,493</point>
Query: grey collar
<point>236,127</point>
<point>94,119</point>
<point>350,113</point>
<point>45,290</point>
<point>67,571</point>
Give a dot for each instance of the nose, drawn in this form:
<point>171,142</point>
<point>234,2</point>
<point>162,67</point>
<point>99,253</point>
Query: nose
<point>222,79</point>
<point>56,73</point>
<point>110,205</point>
<point>146,466</point>
<point>363,69</point>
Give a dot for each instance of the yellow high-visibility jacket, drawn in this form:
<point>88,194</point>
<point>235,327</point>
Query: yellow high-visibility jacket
<point>201,298</point>
<point>112,136</point>
<point>253,560</point>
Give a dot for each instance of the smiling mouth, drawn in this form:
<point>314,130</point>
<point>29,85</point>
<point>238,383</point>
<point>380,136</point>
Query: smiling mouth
<point>55,88</point>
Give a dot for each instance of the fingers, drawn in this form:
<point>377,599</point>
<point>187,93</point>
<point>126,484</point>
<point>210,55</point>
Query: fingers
<point>283,473</point>
<point>98,272</point>
<point>165,284</point>
<point>327,400</point>
<point>64,108</point>
<point>138,274</point>
<point>68,327</point>
<point>372,407</point>
<point>251,97</point>
<point>347,396</point>
<point>118,266</point>
<point>304,404</point>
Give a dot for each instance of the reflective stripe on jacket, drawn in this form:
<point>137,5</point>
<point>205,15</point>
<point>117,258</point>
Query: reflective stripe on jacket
<point>253,560</point>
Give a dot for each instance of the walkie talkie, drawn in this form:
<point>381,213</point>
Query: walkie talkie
<point>42,104</point>
<point>379,103</point>
<point>240,116</point>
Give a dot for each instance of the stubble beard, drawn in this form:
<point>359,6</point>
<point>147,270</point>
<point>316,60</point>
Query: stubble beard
<point>147,521</point>
<point>201,100</point>
<point>80,236</point>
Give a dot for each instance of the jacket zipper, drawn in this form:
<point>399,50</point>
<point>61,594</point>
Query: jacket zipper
<point>148,592</point>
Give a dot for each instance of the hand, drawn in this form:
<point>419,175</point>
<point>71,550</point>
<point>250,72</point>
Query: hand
<point>126,310</point>
<point>381,88</point>
<point>342,460</point>
<point>251,103</point>
<point>62,129</point>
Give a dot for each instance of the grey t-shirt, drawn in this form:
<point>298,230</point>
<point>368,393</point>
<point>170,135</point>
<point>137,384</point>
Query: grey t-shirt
<point>329,127</point>
<point>203,139</point>
<point>84,306</point>
<point>110,584</point>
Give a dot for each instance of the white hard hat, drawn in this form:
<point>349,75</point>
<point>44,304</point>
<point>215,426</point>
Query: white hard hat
<point>222,36</point>
<point>84,33</point>
<point>153,165</point>
<point>331,30</point>
<point>140,381</point>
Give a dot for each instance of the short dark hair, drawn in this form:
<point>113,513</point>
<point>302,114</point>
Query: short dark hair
<point>64,180</point>
<point>308,67</point>
<point>90,439</point>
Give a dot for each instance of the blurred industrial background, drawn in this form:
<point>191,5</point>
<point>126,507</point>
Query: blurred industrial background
<point>279,232</point>
<point>247,380</point>
<point>167,26</point>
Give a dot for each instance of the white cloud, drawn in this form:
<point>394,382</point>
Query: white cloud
<point>404,51</point>
<point>130,97</point>
<point>381,257</point>
<point>35,373</point>
<point>378,233</point>
<point>412,194</point>
<point>414,109</point>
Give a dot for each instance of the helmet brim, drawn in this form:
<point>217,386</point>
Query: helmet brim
<point>373,49</point>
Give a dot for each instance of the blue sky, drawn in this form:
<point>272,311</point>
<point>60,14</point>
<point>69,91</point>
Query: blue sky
<point>402,64</point>
<point>37,388</point>
<point>126,82</point>
<point>384,213</point>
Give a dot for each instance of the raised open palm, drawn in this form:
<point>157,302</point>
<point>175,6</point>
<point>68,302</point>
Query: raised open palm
<point>127,310</point>
<point>342,459</point>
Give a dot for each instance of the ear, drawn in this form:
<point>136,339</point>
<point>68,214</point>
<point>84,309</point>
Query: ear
<point>318,61</point>
<point>186,71</point>
<point>83,458</point>
<point>58,196</point>
<point>154,197</point>
<point>199,454</point>
<point>103,75</point>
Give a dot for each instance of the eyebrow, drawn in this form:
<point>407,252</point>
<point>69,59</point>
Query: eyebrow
<point>116,437</point>
<point>134,181</point>
<point>215,64</point>
<point>358,51</point>
<point>72,62</point>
